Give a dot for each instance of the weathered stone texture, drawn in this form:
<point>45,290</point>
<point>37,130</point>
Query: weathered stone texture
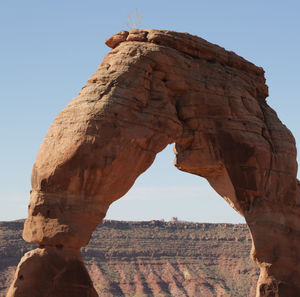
<point>160,87</point>
<point>52,272</point>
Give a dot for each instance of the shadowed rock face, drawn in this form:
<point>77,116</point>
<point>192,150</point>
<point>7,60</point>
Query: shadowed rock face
<point>155,88</point>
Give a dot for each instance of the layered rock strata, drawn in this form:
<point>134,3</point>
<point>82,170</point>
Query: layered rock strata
<point>155,88</point>
<point>154,259</point>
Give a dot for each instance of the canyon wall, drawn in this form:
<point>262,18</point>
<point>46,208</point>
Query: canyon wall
<point>154,259</point>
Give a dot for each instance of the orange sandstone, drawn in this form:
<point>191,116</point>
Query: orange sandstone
<point>155,88</point>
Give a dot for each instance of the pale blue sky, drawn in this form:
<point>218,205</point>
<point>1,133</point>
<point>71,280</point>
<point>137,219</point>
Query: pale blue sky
<point>48,49</point>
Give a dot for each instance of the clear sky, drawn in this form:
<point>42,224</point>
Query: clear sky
<point>48,49</point>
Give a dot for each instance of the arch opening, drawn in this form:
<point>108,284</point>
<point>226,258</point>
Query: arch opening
<point>163,192</point>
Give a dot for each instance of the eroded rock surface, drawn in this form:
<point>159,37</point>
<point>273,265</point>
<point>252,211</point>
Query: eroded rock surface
<point>160,87</point>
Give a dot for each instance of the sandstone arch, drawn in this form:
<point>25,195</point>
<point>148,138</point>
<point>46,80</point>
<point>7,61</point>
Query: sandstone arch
<point>155,88</point>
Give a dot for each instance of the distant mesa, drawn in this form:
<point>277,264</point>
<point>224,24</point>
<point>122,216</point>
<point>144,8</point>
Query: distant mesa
<point>152,89</point>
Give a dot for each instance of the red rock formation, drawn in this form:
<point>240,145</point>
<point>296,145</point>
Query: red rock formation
<point>49,272</point>
<point>155,88</point>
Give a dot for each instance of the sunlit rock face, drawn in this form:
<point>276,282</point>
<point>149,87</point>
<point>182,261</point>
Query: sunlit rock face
<point>155,88</point>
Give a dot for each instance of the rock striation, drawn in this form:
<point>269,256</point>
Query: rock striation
<point>155,88</point>
<point>154,258</point>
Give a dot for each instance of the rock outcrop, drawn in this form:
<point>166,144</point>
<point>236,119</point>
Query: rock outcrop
<point>155,88</point>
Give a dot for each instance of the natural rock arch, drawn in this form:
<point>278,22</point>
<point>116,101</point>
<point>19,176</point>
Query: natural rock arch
<point>155,88</point>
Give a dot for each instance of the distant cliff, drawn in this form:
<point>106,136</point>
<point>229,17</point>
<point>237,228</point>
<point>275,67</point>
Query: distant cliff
<point>154,259</point>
